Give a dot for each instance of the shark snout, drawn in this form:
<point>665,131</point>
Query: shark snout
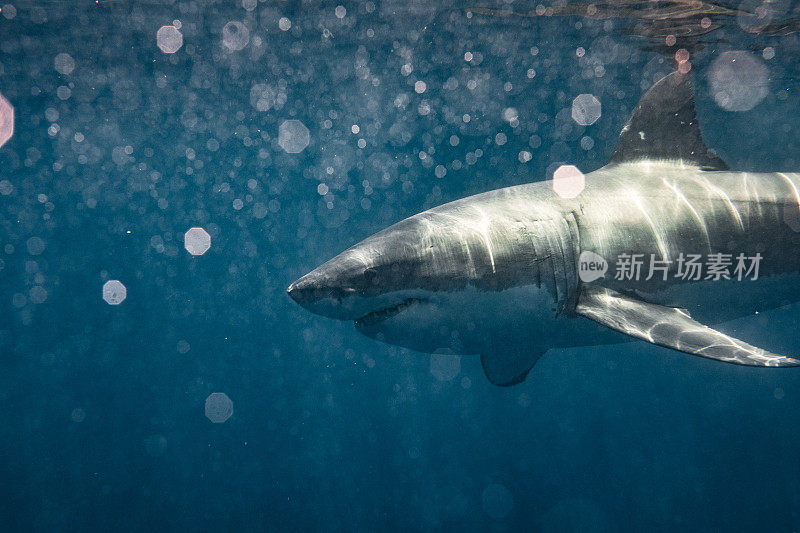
<point>314,287</point>
<point>378,273</point>
<point>329,290</point>
<point>303,292</point>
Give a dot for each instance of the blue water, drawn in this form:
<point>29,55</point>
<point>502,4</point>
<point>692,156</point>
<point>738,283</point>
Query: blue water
<point>119,148</point>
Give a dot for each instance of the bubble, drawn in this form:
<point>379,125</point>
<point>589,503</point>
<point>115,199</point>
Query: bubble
<point>497,501</point>
<point>738,80</point>
<point>768,53</point>
<point>64,63</point>
<point>445,365</point>
<point>219,407</point>
<point>9,11</point>
<point>419,87</point>
<point>265,97</point>
<point>155,445</point>
<point>169,39</point>
<point>524,156</point>
<point>284,24</point>
<point>19,300</point>
<point>35,245</point>
<point>78,415</point>
<point>37,294</point>
<point>587,143</point>
<point>568,181</point>
<point>114,292</point>
<point>778,393</point>
<point>682,55</point>
<point>197,241</point>
<point>6,187</point>
<point>235,36</point>
<point>500,139</point>
<point>6,120</point>
<point>510,114</point>
<point>755,15</point>
<point>183,346</point>
<point>249,5</point>
<point>293,136</point>
<point>340,12</point>
<point>586,109</point>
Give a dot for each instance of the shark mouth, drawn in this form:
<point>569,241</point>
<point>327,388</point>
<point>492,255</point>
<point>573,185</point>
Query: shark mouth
<point>376,317</point>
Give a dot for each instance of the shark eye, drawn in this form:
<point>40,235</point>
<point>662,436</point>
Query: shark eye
<point>371,275</point>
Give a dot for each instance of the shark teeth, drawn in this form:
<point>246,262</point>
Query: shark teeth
<point>380,315</point>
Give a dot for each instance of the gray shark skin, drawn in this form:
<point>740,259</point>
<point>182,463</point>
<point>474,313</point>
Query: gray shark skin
<point>498,274</point>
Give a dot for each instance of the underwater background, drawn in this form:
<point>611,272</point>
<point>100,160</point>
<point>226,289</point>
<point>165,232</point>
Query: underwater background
<point>193,394</point>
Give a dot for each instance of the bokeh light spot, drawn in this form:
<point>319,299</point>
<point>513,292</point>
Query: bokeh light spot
<point>114,292</point>
<point>35,245</point>
<point>586,109</point>
<point>64,63</point>
<point>6,120</point>
<point>738,80</point>
<point>235,36</point>
<point>219,407</point>
<point>197,241</point>
<point>445,365</point>
<point>293,136</point>
<point>568,181</point>
<point>169,39</point>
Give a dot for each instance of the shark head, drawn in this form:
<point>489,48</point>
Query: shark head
<point>452,278</point>
<point>449,278</point>
<point>393,285</point>
<point>376,274</point>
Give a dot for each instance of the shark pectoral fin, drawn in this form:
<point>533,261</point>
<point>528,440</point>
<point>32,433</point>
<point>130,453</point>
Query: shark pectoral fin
<point>506,368</point>
<point>671,327</point>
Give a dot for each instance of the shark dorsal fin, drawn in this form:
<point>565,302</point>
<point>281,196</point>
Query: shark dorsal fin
<point>664,126</point>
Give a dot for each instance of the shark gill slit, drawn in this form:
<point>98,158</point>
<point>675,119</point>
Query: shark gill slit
<point>547,271</point>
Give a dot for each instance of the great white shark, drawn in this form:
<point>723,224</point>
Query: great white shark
<point>511,273</point>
